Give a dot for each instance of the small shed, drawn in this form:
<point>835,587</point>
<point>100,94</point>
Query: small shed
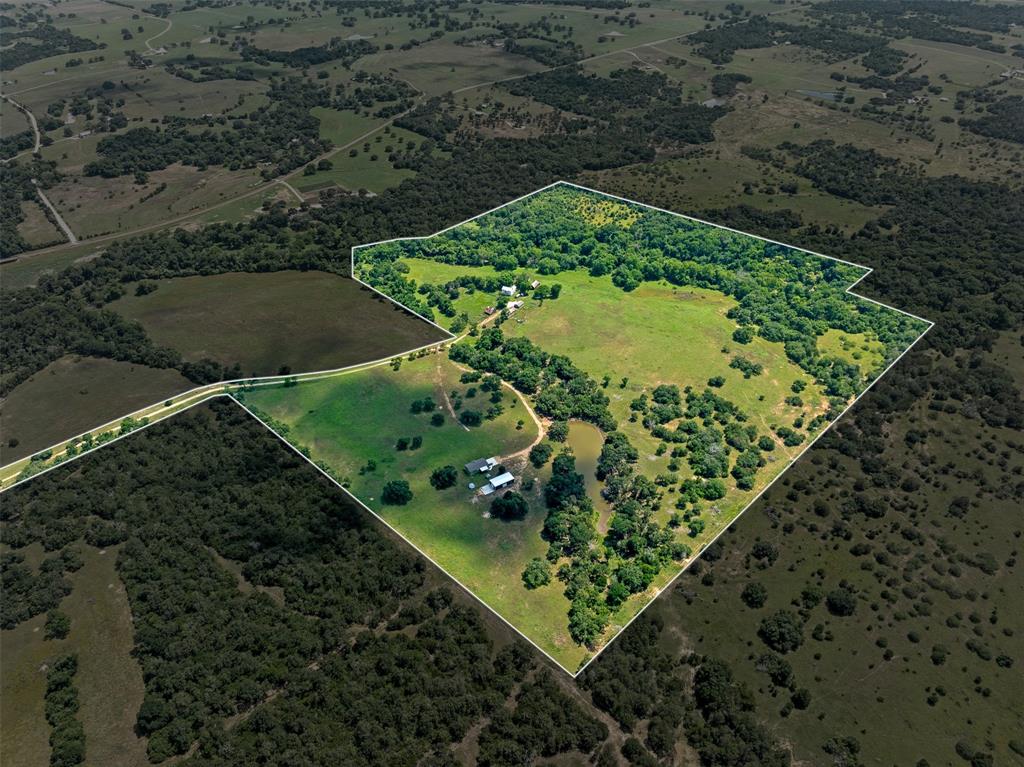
<point>501,480</point>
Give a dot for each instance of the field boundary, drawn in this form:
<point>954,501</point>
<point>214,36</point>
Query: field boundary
<point>849,290</point>
<point>225,389</point>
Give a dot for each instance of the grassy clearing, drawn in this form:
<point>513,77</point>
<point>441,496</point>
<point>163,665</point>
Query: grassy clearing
<point>243,209</point>
<point>350,420</point>
<point>304,321</point>
<point>74,394</point>
<point>343,126</point>
<point>441,66</point>
<point>693,184</point>
<point>857,348</point>
<point>596,34</point>
<point>368,169</point>
<point>36,228</point>
<point>127,205</point>
<point>25,270</point>
<point>109,680</point>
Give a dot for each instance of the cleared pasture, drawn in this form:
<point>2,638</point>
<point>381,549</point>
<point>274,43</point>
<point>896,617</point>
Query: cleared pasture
<point>109,680</point>
<point>127,205</point>
<point>74,394</point>
<point>302,321</point>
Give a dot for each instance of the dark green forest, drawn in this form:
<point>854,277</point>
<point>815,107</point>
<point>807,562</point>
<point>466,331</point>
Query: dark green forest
<point>377,664</point>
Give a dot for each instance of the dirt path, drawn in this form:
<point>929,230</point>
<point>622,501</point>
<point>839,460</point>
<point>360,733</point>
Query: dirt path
<point>72,240</point>
<point>32,121</point>
<point>439,380</point>
<point>149,46</point>
<point>293,190</point>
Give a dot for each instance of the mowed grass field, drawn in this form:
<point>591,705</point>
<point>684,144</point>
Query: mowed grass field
<point>74,394</point>
<point>109,680</point>
<point>352,419</point>
<point>304,321</point>
<point>655,334</point>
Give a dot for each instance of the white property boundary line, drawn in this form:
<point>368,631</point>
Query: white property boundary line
<point>219,390</point>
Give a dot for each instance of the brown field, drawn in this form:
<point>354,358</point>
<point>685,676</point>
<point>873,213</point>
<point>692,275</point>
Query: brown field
<point>122,201</point>
<point>304,321</point>
<point>76,393</point>
<point>36,228</point>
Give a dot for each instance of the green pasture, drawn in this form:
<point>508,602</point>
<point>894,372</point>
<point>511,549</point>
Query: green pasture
<point>127,205</point>
<point>36,227</point>
<point>343,126</point>
<point>347,421</point>
<point>441,66</point>
<point>857,348</point>
<point>362,171</point>
<point>25,269</point>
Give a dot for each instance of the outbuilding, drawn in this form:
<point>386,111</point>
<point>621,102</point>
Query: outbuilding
<point>501,480</point>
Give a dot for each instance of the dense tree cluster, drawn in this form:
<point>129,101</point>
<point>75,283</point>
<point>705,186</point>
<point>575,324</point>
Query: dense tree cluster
<point>561,391</point>
<point>16,187</point>
<point>645,102</point>
<point>32,591</point>
<point>719,44</point>
<point>1002,119</point>
<point>637,681</point>
<point>40,41</point>
<point>944,21</point>
<point>336,49</point>
<point>67,738</point>
<point>545,722</point>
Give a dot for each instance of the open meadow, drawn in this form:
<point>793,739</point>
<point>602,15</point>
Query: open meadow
<point>74,394</point>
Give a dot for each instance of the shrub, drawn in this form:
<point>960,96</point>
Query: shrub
<point>754,595</point>
<point>396,492</point>
<point>782,631</point>
<point>509,506</point>
<point>541,454</point>
<point>471,418</point>
<point>537,573</point>
<point>444,477</point>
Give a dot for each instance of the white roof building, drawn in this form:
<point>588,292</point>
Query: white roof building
<point>508,290</point>
<point>502,479</point>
